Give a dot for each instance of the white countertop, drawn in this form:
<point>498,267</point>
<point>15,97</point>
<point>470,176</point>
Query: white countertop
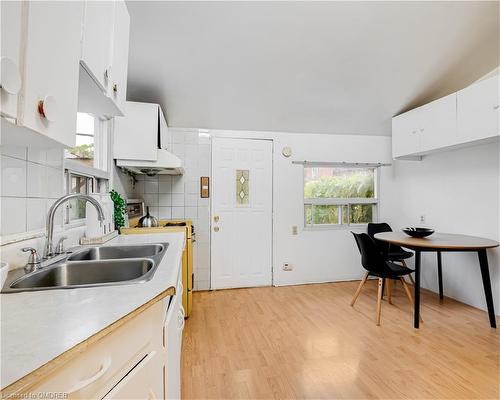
<point>36,327</point>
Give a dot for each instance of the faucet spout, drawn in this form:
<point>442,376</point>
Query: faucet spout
<point>48,250</point>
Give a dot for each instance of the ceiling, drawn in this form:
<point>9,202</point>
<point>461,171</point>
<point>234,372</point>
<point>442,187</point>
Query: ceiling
<point>321,67</point>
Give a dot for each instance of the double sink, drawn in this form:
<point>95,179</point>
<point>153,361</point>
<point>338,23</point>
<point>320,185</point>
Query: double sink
<point>91,267</point>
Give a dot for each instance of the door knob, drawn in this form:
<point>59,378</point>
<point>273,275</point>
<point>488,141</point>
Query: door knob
<point>216,218</point>
<point>216,229</point>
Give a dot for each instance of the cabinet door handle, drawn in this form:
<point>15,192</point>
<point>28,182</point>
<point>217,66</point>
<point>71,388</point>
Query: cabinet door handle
<point>47,108</point>
<point>11,78</point>
<point>86,382</point>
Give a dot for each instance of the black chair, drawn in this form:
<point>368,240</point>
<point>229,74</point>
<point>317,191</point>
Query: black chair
<point>377,265</point>
<point>391,252</point>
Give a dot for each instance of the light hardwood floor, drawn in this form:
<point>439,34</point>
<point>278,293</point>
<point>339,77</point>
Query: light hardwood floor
<point>307,342</point>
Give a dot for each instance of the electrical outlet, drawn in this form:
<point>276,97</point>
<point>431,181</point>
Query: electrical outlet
<point>295,230</point>
<point>422,219</point>
<point>287,267</point>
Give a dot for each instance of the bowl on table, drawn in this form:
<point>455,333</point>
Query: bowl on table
<point>418,232</point>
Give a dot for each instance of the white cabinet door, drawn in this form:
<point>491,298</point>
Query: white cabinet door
<point>97,40</point>
<point>478,110</point>
<point>164,131</point>
<point>51,70</point>
<point>439,124</point>
<point>119,63</point>
<point>144,381</point>
<point>406,133</point>
<point>136,134</point>
<point>173,332</point>
<point>10,72</point>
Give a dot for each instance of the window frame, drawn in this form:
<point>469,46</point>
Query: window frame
<point>340,202</point>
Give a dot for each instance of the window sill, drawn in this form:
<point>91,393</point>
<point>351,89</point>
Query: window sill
<point>355,227</point>
<point>75,166</point>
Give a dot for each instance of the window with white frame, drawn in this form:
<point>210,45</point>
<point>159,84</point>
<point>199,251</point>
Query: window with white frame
<point>86,164</point>
<point>340,195</point>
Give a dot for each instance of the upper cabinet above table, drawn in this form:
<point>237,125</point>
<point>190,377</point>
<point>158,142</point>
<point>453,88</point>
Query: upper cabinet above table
<point>58,58</point>
<point>467,117</point>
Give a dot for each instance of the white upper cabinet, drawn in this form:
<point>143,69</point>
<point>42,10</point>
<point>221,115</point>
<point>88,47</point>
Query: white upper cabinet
<point>98,40</point>
<point>140,133</point>
<point>465,117</point>
<point>104,58</point>
<point>439,124</point>
<point>50,86</point>
<point>10,71</point>
<point>478,110</point>
<point>119,62</point>
<point>406,133</point>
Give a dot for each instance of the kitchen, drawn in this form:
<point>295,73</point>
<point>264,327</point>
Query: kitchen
<point>184,177</point>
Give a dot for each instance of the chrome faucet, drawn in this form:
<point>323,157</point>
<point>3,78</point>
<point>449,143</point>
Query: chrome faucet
<point>49,250</point>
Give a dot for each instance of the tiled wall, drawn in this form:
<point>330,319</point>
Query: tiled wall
<point>32,179</point>
<point>178,197</point>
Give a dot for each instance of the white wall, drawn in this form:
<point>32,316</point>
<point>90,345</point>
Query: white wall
<point>458,192</point>
<point>316,255</point>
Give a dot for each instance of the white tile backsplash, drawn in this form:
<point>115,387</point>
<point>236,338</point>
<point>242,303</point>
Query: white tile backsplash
<point>37,180</point>
<point>13,215</point>
<point>151,186</point>
<point>14,151</point>
<point>55,186</point>
<point>178,213</point>
<point>165,199</point>
<point>177,200</point>
<point>36,211</point>
<point>13,177</point>
<point>31,179</point>
<point>37,155</point>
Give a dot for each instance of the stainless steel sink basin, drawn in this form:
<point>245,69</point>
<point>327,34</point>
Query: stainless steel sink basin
<point>116,252</point>
<point>85,273</point>
<point>92,267</point>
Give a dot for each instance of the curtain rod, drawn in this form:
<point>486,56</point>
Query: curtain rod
<point>340,164</point>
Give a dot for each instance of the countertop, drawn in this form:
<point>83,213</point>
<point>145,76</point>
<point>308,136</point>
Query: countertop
<point>38,327</point>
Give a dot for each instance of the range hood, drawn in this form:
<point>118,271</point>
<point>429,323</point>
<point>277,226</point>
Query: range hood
<point>166,164</point>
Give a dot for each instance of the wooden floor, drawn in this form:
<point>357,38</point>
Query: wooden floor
<point>307,342</point>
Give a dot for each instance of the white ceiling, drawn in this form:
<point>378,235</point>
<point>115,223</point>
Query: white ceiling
<point>323,67</point>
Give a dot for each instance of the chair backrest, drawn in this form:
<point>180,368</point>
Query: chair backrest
<point>371,258</point>
<point>373,229</point>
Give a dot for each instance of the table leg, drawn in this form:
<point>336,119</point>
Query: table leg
<point>416,312</point>
<point>440,276</point>
<point>485,274</point>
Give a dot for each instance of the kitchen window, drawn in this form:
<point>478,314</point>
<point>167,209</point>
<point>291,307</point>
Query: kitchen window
<point>87,164</point>
<point>340,196</point>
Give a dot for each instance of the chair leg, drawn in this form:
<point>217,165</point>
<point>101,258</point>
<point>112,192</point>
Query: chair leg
<point>389,290</point>
<point>409,276</point>
<point>408,293</point>
<point>379,299</point>
<point>358,291</point>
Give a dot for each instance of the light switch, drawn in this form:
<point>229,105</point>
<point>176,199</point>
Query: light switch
<point>295,230</point>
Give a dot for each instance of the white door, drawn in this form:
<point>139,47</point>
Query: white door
<point>241,252</point>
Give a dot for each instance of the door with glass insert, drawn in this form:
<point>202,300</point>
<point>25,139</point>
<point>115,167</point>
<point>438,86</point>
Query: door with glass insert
<point>241,239</point>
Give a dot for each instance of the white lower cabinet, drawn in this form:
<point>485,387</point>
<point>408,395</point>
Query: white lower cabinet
<point>144,381</point>
<point>141,359</point>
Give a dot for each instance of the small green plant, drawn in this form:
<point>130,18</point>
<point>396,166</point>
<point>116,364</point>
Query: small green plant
<point>119,209</point>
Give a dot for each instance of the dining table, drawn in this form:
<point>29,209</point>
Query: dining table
<point>439,243</point>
